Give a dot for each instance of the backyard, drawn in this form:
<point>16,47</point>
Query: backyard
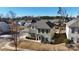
<point>37,46</point>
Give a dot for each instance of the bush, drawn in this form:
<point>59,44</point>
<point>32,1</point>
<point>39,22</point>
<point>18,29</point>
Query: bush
<point>67,41</point>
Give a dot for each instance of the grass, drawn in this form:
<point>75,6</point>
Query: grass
<point>36,46</point>
<point>22,27</point>
<point>5,49</point>
<point>27,44</point>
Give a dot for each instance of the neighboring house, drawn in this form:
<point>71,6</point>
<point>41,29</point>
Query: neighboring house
<point>26,23</point>
<point>43,30</point>
<point>29,22</point>
<point>72,30</point>
<point>4,27</point>
<point>21,23</point>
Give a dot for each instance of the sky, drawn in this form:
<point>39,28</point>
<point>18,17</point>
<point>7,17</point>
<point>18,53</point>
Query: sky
<point>38,11</point>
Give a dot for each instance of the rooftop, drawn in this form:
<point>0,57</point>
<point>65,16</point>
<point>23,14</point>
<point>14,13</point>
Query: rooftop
<point>43,24</point>
<point>73,23</point>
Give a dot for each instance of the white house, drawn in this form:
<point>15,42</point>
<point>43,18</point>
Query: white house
<point>72,30</point>
<point>4,27</point>
<point>29,22</point>
<point>43,30</point>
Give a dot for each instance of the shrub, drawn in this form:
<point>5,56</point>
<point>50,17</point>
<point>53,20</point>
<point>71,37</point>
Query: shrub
<point>67,41</point>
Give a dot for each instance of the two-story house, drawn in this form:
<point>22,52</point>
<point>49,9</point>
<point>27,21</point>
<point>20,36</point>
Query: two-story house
<point>43,30</point>
<point>72,30</point>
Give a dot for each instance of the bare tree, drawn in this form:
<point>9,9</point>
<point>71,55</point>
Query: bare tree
<point>1,16</point>
<point>62,13</point>
<point>14,27</point>
<point>12,14</point>
<point>7,15</point>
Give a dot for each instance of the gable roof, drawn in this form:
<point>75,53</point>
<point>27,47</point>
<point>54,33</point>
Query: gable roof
<point>54,20</point>
<point>73,23</point>
<point>43,24</point>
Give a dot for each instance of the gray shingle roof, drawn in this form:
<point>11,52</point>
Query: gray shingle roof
<point>54,20</point>
<point>73,23</point>
<point>32,31</point>
<point>43,24</point>
<point>76,24</point>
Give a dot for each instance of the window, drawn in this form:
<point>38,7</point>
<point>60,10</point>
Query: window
<point>73,30</point>
<point>39,30</point>
<point>72,38</point>
<point>42,30</point>
<point>47,30</point>
<point>76,30</point>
